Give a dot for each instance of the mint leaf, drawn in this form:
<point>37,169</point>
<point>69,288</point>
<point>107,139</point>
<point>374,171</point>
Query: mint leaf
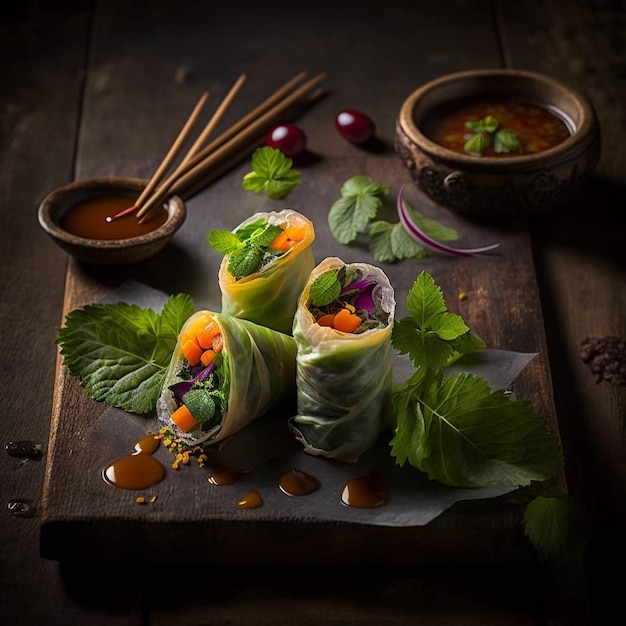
<point>245,262</point>
<point>223,241</point>
<point>430,335</point>
<point>557,527</point>
<point>486,125</point>
<point>391,242</point>
<point>271,173</point>
<point>435,230</point>
<point>476,437</point>
<point>477,144</point>
<point>360,200</point>
<point>120,352</point>
<point>264,237</point>
<point>325,288</point>
<point>506,140</point>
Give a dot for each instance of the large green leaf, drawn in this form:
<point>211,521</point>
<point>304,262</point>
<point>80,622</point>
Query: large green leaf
<point>475,437</point>
<point>120,351</point>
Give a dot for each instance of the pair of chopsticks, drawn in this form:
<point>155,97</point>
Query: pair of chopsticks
<point>202,164</point>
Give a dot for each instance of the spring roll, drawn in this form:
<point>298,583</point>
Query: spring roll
<point>224,373</point>
<point>342,329</point>
<point>262,280</point>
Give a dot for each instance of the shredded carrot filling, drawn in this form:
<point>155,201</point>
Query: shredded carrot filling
<point>344,320</point>
<point>201,340</point>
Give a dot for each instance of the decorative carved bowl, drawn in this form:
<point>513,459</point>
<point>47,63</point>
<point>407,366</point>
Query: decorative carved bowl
<point>107,251</point>
<point>492,185</point>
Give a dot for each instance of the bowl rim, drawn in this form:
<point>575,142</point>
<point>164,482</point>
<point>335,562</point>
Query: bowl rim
<point>59,196</point>
<point>580,135</point>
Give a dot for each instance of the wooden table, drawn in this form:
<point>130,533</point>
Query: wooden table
<point>102,89</point>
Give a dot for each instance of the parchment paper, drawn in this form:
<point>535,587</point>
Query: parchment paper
<point>265,449</point>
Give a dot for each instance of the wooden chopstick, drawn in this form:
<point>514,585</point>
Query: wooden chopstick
<point>247,131</point>
<point>167,160</point>
<point>269,102</point>
<point>189,190</point>
<point>212,123</point>
<point>171,155</point>
<point>225,136</point>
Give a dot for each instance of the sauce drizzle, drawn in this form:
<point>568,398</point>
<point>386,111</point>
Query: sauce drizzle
<point>226,476</point>
<point>297,483</point>
<point>364,492</point>
<point>138,470</point>
<point>252,500</point>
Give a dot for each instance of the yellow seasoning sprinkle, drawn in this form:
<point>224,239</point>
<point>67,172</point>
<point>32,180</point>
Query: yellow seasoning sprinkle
<point>152,499</point>
<point>462,296</point>
<point>350,307</point>
<point>140,500</point>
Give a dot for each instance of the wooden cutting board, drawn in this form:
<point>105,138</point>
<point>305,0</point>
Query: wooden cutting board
<point>127,98</point>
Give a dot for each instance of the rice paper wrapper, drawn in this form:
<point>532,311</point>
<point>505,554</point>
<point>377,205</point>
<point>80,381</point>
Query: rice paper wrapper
<point>343,380</point>
<point>260,370</point>
<point>269,297</point>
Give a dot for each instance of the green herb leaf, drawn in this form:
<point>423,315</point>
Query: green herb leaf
<point>271,173</point>
<point>245,261</point>
<point>325,288</point>
<point>224,241</point>
<point>360,200</point>
<point>262,238</point>
<point>120,352</point>
<point>488,124</point>
<point>475,437</point>
<point>477,144</point>
<point>506,140</point>
<point>557,527</point>
<point>390,243</point>
<point>430,335</point>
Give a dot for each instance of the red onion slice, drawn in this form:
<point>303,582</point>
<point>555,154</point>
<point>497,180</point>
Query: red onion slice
<point>421,237</point>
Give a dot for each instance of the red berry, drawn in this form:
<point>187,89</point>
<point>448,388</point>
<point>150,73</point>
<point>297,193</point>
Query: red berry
<point>354,126</point>
<point>288,138</point>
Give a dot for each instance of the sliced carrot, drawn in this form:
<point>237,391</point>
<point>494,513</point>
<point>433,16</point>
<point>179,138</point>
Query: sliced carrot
<point>207,357</point>
<point>183,418</point>
<point>326,320</point>
<point>218,342</point>
<point>192,351</point>
<point>346,321</point>
<point>296,233</point>
<point>280,242</point>
<point>197,323</point>
<point>206,334</point>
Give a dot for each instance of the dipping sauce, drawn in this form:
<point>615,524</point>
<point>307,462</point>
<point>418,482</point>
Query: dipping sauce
<point>298,483</point>
<point>537,127</point>
<point>252,500</point>
<point>364,492</point>
<point>226,476</point>
<point>139,470</point>
<point>88,219</point>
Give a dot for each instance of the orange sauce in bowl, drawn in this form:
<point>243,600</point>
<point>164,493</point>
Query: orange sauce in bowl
<point>87,219</point>
<point>538,128</point>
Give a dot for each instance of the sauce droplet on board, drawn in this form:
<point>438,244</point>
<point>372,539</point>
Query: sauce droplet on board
<point>88,219</point>
<point>138,470</point>
<point>22,508</point>
<point>252,500</point>
<point>298,483</point>
<point>226,476</point>
<point>364,492</point>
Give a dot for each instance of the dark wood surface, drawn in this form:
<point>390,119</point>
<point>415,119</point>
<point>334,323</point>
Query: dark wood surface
<point>101,89</point>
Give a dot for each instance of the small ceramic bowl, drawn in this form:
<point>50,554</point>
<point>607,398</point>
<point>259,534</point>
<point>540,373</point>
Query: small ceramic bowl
<point>107,251</point>
<point>488,185</point>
